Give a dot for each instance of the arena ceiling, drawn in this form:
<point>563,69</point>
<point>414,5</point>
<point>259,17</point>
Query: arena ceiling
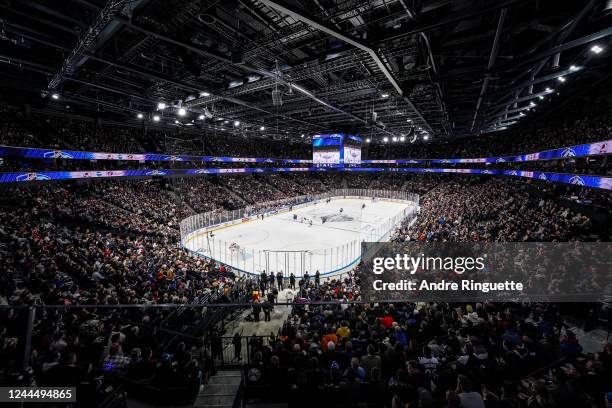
<point>436,68</point>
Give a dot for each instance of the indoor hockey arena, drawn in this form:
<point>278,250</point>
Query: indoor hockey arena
<point>225,204</point>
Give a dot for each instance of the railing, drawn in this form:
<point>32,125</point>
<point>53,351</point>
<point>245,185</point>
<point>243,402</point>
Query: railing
<point>198,238</point>
<point>224,353</point>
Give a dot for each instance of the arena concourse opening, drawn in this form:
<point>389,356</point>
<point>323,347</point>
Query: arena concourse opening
<point>305,204</point>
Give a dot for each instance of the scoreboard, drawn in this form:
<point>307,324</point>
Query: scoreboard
<point>336,150</point>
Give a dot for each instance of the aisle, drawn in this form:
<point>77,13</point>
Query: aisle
<point>251,328</point>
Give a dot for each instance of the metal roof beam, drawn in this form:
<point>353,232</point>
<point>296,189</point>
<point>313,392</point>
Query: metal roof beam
<point>492,57</point>
<point>86,41</point>
<point>289,10</point>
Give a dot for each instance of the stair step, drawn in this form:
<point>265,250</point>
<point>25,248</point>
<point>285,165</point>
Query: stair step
<point>209,400</point>
<point>213,405</point>
<point>227,374</point>
<point>210,389</point>
<point>224,381</point>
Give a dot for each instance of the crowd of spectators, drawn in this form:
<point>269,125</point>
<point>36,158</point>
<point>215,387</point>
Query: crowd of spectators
<point>113,243</point>
<point>464,210</point>
<point>37,130</point>
<point>427,355</point>
<point>73,133</point>
<point>528,139</point>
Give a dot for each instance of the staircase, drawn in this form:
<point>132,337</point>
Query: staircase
<point>220,391</point>
<point>239,201</point>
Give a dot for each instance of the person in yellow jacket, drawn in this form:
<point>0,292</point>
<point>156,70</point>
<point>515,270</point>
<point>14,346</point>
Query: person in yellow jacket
<point>343,332</point>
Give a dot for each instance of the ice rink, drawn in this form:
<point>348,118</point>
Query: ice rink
<point>281,243</point>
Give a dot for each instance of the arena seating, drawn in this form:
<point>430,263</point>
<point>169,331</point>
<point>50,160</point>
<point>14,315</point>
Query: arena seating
<point>17,129</point>
<point>115,242</point>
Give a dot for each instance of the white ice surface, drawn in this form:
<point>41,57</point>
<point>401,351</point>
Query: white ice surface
<point>326,247</point>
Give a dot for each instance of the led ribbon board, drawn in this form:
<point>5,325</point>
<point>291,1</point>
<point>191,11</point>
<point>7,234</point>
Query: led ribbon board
<point>32,153</point>
<point>564,178</point>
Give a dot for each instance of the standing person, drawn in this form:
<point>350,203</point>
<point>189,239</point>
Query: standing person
<point>237,342</point>
<point>256,310</point>
<point>279,280</point>
<point>271,279</point>
<point>263,281</point>
<point>306,279</point>
<point>469,398</point>
<point>216,345</point>
<point>317,278</point>
<point>271,299</point>
<point>267,308</point>
<point>292,281</point>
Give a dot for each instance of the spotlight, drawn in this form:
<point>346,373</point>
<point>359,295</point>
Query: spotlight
<point>548,90</point>
<point>368,140</point>
<point>426,137</point>
<point>596,49</point>
<point>303,135</point>
<point>161,106</point>
<point>402,139</point>
<point>182,112</point>
<point>385,139</point>
<point>156,118</point>
<point>55,96</point>
<point>521,114</point>
<point>409,120</point>
<point>176,121</point>
<point>204,94</point>
<point>532,104</point>
<point>561,79</point>
<point>394,138</point>
<point>237,123</point>
<point>540,97</point>
<point>262,128</point>
<point>574,68</point>
<point>140,116</point>
<point>385,95</point>
<point>225,122</point>
<point>201,117</point>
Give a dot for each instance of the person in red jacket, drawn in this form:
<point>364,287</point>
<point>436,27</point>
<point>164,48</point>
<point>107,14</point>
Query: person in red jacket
<point>387,321</point>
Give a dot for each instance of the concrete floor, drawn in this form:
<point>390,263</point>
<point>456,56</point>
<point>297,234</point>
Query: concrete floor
<point>278,316</point>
